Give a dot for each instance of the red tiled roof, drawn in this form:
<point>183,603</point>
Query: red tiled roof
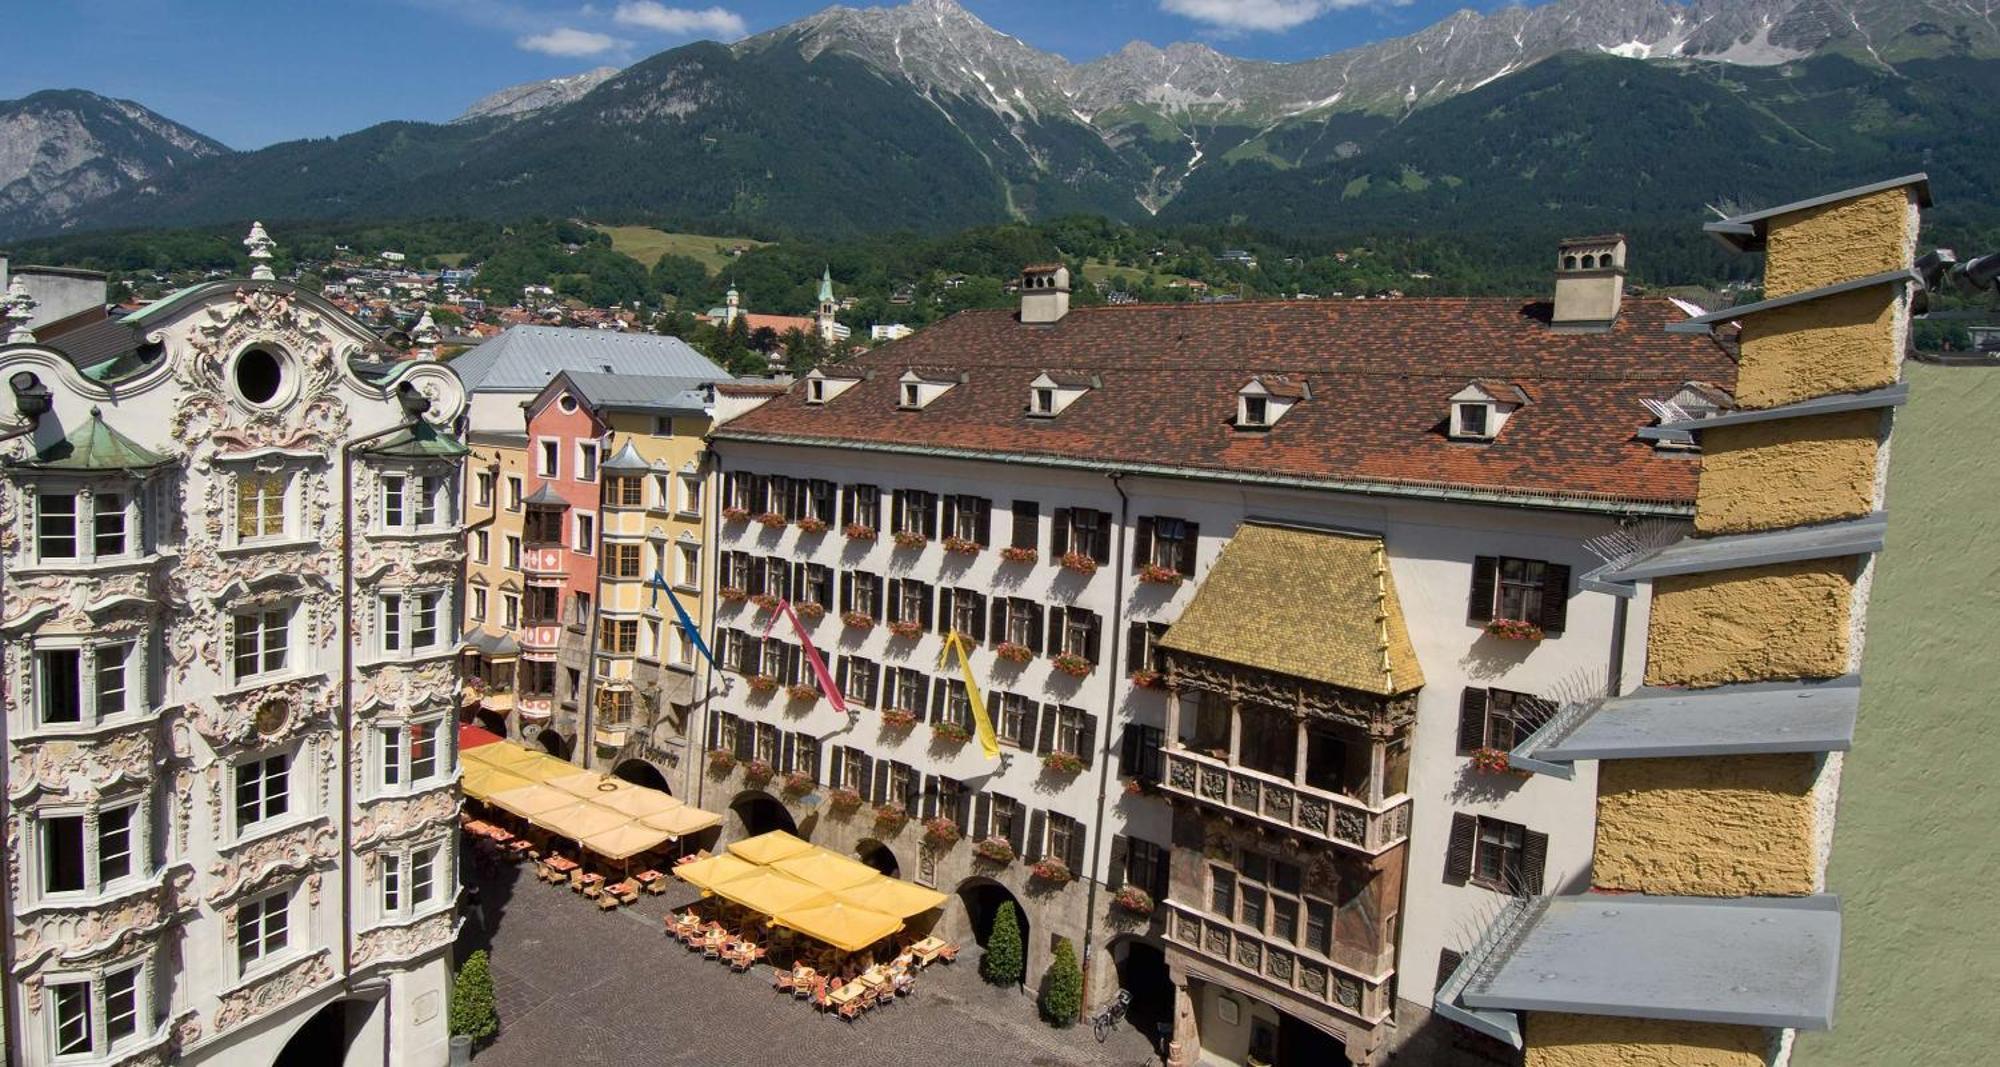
<point>1381,374</point>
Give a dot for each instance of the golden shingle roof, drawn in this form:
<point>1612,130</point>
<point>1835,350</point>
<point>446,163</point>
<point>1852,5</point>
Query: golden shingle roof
<point>1315,605</point>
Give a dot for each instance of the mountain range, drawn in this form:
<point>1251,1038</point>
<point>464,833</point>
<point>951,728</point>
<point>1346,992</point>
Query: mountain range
<point>1572,113</point>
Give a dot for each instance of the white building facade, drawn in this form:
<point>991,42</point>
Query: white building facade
<point>227,555</point>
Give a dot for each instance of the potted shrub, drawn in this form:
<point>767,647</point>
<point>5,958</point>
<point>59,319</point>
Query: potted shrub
<point>763,683</point>
<point>1014,652</point>
<point>898,718</point>
<point>1071,664</point>
<point>1514,630</point>
<point>757,773</point>
<point>1004,962</point>
<point>1080,562</point>
<point>732,594</point>
<point>802,692</point>
<point>906,628</point>
<point>1158,574</point>
<point>995,849</point>
<point>474,1013</point>
<point>798,783</point>
<point>844,800</point>
<point>963,546</point>
<point>859,532</point>
<point>721,760</point>
<point>1491,760</point>
<point>735,514</point>
<point>910,539</point>
<point>1146,679</point>
<point>810,525</point>
<point>1062,763</point>
<point>771,520</point>
<point>1051,870</point>
<point>950,732</point>
<point>941,831</point>
<point>1134,900</point>
<point>859,620</point>
<point>765,602</point>
<point>1020,554</point>
<point>1062,987</point>
<point>810,611</point>
<point>890,817</point>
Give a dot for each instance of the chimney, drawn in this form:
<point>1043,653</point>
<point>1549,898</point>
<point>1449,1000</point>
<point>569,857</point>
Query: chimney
<point>1590,282</point>
<point>1044,294</point>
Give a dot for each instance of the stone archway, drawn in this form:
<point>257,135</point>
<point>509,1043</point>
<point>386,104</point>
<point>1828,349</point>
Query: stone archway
<point>1142,971</point>
<point>879,856</point>
<point>553,743</point>
<point>756,812</point>
<point>981,899</point>
<point>640,772</point>
<point>332,1037</point>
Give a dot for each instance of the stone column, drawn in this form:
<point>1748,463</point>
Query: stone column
<point>1299,763</point>
<point>1235,732</point>
<point>1173,738</point>
<point>1378,770</point>
<point>1184,1048</point>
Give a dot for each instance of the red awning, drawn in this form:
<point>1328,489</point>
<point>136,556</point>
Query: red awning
<point>470,736</point>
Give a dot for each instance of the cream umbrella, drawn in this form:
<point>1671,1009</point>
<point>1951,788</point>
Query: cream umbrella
<point>481,782</point>
<point>580,819</point>
<point>892,896</point>
<point>587,785</point>
<point>683,821</point>
<point>624,842</point>
<point>846,927</point>
<point>769,847</point>
<point>531,801</point>
<point>827,870</point>
<point>705,874</point>
<point>638,801</point>
<point>768,892</point>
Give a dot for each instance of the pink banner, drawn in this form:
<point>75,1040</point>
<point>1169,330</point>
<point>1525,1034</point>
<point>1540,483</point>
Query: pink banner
<point>812,655</point>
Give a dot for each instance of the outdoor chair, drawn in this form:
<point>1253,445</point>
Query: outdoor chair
<point>628,893</point>
<point>851,1010</point>
<point>781,980</point>
<point>607,902</point>
<point>576,879</point>
<point>949,953</point>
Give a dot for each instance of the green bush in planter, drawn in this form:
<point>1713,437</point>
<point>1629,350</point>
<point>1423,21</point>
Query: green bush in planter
<point>1062,987</point>
<point>474,1013</point>
<point>1002,964</point>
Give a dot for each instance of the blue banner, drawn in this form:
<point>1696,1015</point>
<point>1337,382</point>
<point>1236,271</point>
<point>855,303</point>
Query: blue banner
<point>659,584</point>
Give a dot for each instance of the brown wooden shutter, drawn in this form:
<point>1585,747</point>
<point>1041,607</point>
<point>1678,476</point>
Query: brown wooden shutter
<point>892,603</point>
<point>1142,542</point>
<point>1036,824</point>
<point>929,611</point>
<point>1190,547</point>
<point>1034,613</point>
<point>982,819</point>
<point>1471,720</point>
<point>1059,535</point>
<point>875,583</point>
<point>1135,647</point>
<point>841,673</point>
<point>1075,857</point>
<point>1448,962</point>
<point>1485,572</point>
<point>1534,861</point>
<point>1030,719</point>
<point>940,702</point>
<point>1027,523</point>
<point>1458,856</point>
<point>1555,598</point>
<point>1087,741</point>
<point>1100,546</point>
<point>1162,874</point>
<point>978,615</point>
<point>1053,644</point>
<point>983,525</point>
<point>996,614</point>
<point>895,510</point>
<point>928,501</point>
<point>1121,850</point>
<point>746,739</point>
<point>1092,639</point>
<point>950,515</point>
<point>847,506</point>
<point>785,752</point>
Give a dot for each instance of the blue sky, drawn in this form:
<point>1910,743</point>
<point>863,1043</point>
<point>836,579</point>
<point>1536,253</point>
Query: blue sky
<point>252,72</point>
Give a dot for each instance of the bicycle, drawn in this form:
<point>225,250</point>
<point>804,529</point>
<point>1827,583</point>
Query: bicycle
<point>1103,1021</point>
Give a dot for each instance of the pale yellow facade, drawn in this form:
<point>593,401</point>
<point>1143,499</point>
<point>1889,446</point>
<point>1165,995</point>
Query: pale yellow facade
<point>496,478</point>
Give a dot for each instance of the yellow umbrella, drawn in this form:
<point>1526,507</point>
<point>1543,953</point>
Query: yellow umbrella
<point>770,847</point>
<point>580,819</point>
<point>638,801</point>
<point>503,754</point>
<point>622,842</point>
<point>704,874</point>
<point>531,801</point>
<point>682,821</point>
<point>892,896</point>
<point>844,926</point>
<point>767,892</point>
<point>827,870</point>
<point>586,785</point>
<point>481,782</point>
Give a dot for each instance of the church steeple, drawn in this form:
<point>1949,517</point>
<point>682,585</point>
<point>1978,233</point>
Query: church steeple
<point>826,289</point>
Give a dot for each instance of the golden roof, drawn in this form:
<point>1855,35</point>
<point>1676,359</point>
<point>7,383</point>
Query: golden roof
<point>1310,604</point>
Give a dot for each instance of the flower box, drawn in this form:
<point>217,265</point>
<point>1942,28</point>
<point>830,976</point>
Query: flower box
<point>898,718</point>
<point>890,818</point>
<point>906,628</point>
<point>1160,575</point>
<point>765,601</point>
<point>802,692</point>
<point>1019,554</point>
<point>844,799</point>
<point>1491,760</point>
<point>1062,763</point>
<point>859,620</point>
<point>757,773</point>
<point>1139,787</point>
<point>1133,900</point>
<point>964,546</point>
<point>1014,652</point>
<point>1080,562</point>
<point>733,594</point>
<point>735,514</point>
<point>813,526</point>
<point>941,831</point>
<point>1052,871</point>
<point>810,611</point>
<point>910,539</point>
<point>1514,630</point>
<point>1072,664</point>
<point>950,732</point>
<point>1145,679</point>
<point>995,849</point>
<point>798,783</point>
<point>857,532</point>
<point>763,683</point>
<point>721,760</point>
<point>771,520</point>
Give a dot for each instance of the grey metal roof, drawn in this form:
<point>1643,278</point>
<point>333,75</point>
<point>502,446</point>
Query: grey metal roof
<point>1893,396</point>
<point>523,359</point>
<point>627,459</point>
<point>1729,720</point>
<point>643,392</point>
<point>1756,961</point>
<point>1743,233</point>
<point>490,645</point>
<point>545,496</point>
<point>1706,323</point>
<point>1702,555</point>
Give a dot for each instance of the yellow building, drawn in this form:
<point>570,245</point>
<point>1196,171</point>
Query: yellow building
<point>495,483</point>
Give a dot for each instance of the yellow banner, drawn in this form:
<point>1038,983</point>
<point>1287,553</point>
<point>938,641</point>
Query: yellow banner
<point>982,724</point>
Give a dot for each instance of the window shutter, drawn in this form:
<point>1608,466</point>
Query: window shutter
<point>1075,857</point>
<point>873,777</point>
<point>1017,830</point>
<point>714,733</point>
<point>874,672</point>
<point>846,592</point>
<point>1030,717</point>
<point>982,819</point>
<point>1135,647</point>
<point>896,509</point>
<point>1163,870</point>
<point>893,609</point>
<point>1059,535</point>
<point>1027,523</point>
<point>930,804</point>
<point>928,501</point>
<point>1448,962</point>
<point>785,753</point>
<point>978,615</point>
<point>963,814</point>
<point>1036,823</point>
<point>1458,856</point>
<point>1047,740</point>
<point>756,583</point>
<point>1100,546</point>
<point>842,672</point>
<point>983,526</point>
<point>795,664</point>
<point>875,586</point>
<point>1534,862</point>
<point>1485,571</point>
<point>1087,740</point>
<point>1555,598</point>
<point>1034,612</point>
<point>996,613</point>
<point>922,702</point>
<point>1055,635</point>
<point>1128,748</point>
<point>950,515</point>
<point>1471,720</point>
<point>1142,542</point>
<point>1190,547</point>
<point>929,613</point>
<point>1121,849</point>
<point>940,704</point>
<point>847,506</point>
<point>1092,642</point>
<point>746,740</point>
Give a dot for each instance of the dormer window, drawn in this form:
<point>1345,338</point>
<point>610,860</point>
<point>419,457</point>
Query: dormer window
<point>1472,420</point>
<point>1052,392</point>
<point>816,391</point>
<point>1265,399</point>
<point>912,395</point>
<point>917,390</point>
<point>1045,401</point>
<point>822,387</point>
<point>1256,411</point>
<point>1481,409</point>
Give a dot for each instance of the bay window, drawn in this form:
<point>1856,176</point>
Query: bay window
<point>410,881</point>
<point>84,526</point>
<point>96,1015</point>
<point>83,684</point>
<point>411,755</point>
<point>91,852</point>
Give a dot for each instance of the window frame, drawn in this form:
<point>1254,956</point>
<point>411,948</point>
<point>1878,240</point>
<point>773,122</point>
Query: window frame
<point>1511,862</point>
<point>259,910</point>
<point>100,1042</point>
<point>91,842</point>
<point>83,521</point>
<point>589,454</point>
<point>88,681</point>
<point>395,759</point>
<point>240,828</point>
<point>291,649</point>
<point>398,627</point>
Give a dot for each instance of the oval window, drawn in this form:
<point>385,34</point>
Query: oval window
<point>567,403</point>
<point>258,376</point>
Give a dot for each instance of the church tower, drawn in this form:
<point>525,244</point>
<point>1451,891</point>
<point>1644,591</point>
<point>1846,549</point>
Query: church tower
<point>827,320</point>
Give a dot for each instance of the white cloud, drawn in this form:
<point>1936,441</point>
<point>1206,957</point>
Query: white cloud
<point>564,41</point>
<point>680,21</point>
<point>1250,16</point>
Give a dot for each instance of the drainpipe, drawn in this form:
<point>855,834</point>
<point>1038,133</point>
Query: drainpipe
<point>414,405</point>
<point>1615,678</point>
<point>711,462</point>
<point>32,400</point>
<point>588,702</point>
<point>1112,677</point>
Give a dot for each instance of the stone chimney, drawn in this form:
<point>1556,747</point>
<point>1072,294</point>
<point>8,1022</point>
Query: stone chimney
<point>1044,293</point>
<point>1590,282</point>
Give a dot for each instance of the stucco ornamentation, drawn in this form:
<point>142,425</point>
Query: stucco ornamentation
<point>81,768</point>
<point>402,942</point>
<point>82,935</point>
<point>392,818</point>
<point>273,991</point>
<point>290,853</point>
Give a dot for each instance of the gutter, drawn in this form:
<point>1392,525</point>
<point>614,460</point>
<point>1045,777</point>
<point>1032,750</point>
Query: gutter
<point>1112,678</point>
<point>1591,503</point>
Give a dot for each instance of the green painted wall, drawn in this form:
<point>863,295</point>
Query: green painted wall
<point>1916,855</point>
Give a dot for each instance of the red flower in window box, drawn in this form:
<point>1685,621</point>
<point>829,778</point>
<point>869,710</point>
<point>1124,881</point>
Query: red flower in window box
<point>763,683</point>
<point>1072,664</point>
<point>906,628</point>
<point>773,521</point>
<point>1080,562</point>
<point>843,799</point>
<point>810,611</point>
<point>1052,871</point>
<point>721,760</point>
<point>950,732</point>
<point>910,539</point>
<point>1140,787</point>
<point>756,773</point>
<point>1019,554</point>
<point>890,817</point>
<point>1514,630</point>
<point>859,620</point>
<point>735,514</point>
<point>942,831</point>
<point>857,532</point>
<point>964,546</point>
<point>995,849</point>
<point>1014,651</point>
<point>1491,760</point>
<point>1146,679</point>
<point>813,526</point>
<point>1062,763</point>
<point>765,601</point>
<point>802,692</point>
<point>733,595</point>
<point>1159,574</point>
<point>898,718</point>
<point>798,783</point>
<point>1133,900</point>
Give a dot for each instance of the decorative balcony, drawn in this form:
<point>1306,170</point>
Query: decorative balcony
<point>1352,983</point>
<point>1314,813</point>
<point>544,560</point>
<point>612,735</point>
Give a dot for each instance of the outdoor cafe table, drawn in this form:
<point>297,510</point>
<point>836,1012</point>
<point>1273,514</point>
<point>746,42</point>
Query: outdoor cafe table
<point>874,976</point>
<point>846,993</point>
<point>561,865</point>
<point>927,949</point>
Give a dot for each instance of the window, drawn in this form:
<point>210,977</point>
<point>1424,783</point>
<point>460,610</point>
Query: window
<point>1021,623</point>
<point>1027,525</point>
<point>510,610</point>
<point>690,494</point>
<point>1472,420</point>
<point>620,636</point>
<point>1257,411</point>
<point>263,928</point>
<point>914,512</point>
<point>766,743</point>
<point>586,461</point>
<point>863,593</point>
<point>393,504</point>
<point>1065,842</point>
<point>513,552</point>
<point>586,534</point>
<point>1166,543</point>
<point>624,560</point>
<point>548,458</point>
<point>96,1017</point>
<point>859,679</point>
<point>114,843</point>
<point>1045,402</point>
<point>482,546</point>
<point>805,756</point>
<point>1016,725</point>
<point>1496,857</point>
<point>968,613</point>
<point>64,531</point>
<point>1496,718</point>
<point>910,602</point>
<point>816,391</point>
<point>1084,531</point>
<point>864,506</point>
<point>479,603</point>
<point>1502,856</point>
<point>625,491</point>
<point>412,623</point>
<point>108,524</point>
<point>906,689</point>
<point>544,605</point>
<point>1076,632</point>
<point>482,489</point>
<point>263,790</point>
<point>79,685</point>
<point>411,754</point>
<point>1072,732</point>
<point>912,395</point>
<point>1520,589</point>
<point>56,526</point>
<point>903,781</point>
<point>263,643</point>
<point>690,572</point>
<point>614,706</point>
<point>513,492</point>
<point>849,772</point>
<point>1526,590</point>
<point>968,518</point>
<point>815,585</point>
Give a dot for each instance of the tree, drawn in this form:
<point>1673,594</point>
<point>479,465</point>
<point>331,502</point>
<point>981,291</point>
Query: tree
<point>1003,962</point>
<point>1062,987</point>
<point>474,1013</point>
